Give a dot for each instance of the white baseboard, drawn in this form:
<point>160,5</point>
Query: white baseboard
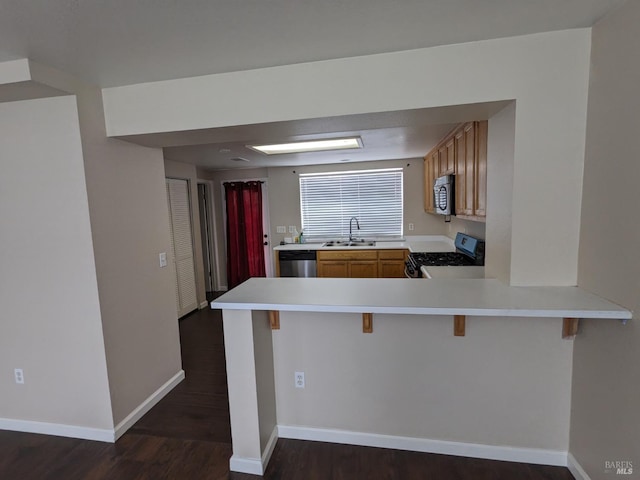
<point>490,452</point>
<point>60,430</point>
<point>252,466</point>
<point>271,444</point>
<point>202,305</point>
<point>576,469</point>
<point>88,433</point>
<point>147,405</point>
<point>255,466</point>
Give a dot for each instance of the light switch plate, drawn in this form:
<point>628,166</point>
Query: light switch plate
<point>163,259</point>
<point>281,229</point>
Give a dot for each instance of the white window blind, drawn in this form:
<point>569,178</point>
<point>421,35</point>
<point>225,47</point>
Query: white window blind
<point>328,201</point>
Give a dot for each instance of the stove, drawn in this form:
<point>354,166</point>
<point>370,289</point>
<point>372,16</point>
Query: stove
<point>469,252</point>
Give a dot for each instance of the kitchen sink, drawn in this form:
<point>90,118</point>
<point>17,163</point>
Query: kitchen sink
<point>353,243</point>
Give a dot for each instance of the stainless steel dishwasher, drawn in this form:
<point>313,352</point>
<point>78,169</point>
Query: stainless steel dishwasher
<point>297,263</point>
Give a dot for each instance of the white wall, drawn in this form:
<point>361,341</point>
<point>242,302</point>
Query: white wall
<point>51,321</point>
<point>606,383</point>
<point>507,382</point>
<point>546,73</point>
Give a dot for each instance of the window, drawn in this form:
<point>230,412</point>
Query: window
<point>328,201</point>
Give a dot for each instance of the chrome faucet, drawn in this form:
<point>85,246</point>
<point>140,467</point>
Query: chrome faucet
<point>350,227</point>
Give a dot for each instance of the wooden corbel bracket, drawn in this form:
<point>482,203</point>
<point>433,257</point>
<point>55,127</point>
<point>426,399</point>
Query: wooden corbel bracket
<point>459,325</point>
<point>569,328</point>
<point>367,323</point>
<point>274,319</point>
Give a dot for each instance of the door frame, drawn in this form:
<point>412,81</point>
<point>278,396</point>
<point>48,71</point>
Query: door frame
<point>266,224</point>
<point>213,249</point>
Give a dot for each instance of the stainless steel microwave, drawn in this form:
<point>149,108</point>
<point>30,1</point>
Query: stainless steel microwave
<point>443,195</point>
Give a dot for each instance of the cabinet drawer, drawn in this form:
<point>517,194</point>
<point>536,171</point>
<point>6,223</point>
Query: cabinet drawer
<point>392,254</point>
<point>348,255</point>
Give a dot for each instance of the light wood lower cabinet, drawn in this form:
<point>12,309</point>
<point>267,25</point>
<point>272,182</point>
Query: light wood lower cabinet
<point>361,263</point>
<point>363,269</point>
<point>391,263</point>
<point>332,268</point>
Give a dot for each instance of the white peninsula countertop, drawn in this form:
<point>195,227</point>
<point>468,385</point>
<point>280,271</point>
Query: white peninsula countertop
<point>478,297</point>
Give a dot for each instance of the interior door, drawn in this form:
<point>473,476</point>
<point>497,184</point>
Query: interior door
<point>182,245</point>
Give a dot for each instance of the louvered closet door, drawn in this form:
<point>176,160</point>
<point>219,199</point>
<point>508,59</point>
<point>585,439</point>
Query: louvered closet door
<point>182,245</point>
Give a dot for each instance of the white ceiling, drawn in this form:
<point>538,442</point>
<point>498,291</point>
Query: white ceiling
<point>121,42</point>
<point>385,136</point>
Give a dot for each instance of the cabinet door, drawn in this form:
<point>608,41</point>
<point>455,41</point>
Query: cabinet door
<point>432,166</point>
<point>465,169</point>
<point>480,200</point>
<point>333,268</point>
<point>363,269</point>
<point>448,163</point>
<point>428,195</point>
<point>391,268</point>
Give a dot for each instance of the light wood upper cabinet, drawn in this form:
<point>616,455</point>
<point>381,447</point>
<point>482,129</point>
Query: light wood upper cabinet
<point>464,153</point>
<point>480,200</point>
<point>447,158</point>
<point>370,263</point>
<point>465,158</point>
<point>431,172</point>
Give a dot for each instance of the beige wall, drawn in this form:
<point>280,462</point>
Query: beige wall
<point>129,227</point>
<point>217,178</point>
<point>506,383</point>
<point>500,155</point>
<point>606,382</point>
<point>188,172</point>
<point>284,195</point>
<point>283,189</point>
<point>547,74</point>
<point>51,321</point>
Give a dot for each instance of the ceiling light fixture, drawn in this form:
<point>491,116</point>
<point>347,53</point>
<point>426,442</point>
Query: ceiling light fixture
<point>310,146</point>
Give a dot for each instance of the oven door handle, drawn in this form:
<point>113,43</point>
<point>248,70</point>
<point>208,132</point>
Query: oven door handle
<point>406,274</point>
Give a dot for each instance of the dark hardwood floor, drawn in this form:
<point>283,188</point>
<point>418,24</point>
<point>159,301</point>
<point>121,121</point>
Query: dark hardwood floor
<point>187,436</point>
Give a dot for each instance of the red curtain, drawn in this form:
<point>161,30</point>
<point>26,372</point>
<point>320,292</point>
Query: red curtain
<point>245,240</point>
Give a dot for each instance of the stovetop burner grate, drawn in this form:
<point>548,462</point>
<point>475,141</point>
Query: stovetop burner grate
<point>440,259</point>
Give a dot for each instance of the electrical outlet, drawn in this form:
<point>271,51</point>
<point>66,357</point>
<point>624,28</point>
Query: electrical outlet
<point>299,379</point>
<point>292,229</point>
<point>281,229</point>
<point>19,376</point>
<point>411,226</point>
<point>163,259</point>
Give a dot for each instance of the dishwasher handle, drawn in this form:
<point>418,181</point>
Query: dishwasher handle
<point>293,255</point>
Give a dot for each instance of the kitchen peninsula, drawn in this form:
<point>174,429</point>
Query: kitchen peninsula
<point>502,391</point>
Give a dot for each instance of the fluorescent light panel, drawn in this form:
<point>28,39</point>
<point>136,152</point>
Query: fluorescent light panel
<point>310,146</point>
